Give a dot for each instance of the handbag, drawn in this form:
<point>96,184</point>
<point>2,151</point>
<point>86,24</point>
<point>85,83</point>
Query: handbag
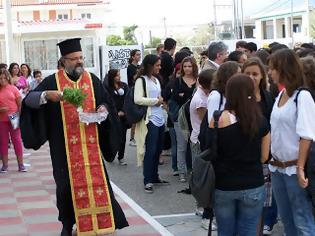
<point>202,180</point>
<point>134,112</point>
<point>14,120</point>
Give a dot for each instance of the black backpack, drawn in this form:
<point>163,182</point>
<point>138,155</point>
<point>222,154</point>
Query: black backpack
<point>203,136</point>
<point>202,180</point>
<point>134,112</point>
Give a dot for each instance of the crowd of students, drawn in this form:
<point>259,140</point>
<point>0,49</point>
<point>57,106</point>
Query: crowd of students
<point>264,131</point>
<point>15,82</point>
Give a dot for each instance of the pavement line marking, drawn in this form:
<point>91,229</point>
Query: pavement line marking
<point>174,215</point>
<point>138,209</point>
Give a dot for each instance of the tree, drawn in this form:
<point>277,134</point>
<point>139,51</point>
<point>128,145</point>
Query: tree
<point>155,41</point>
<point>115,40</point>
<point>129,34</point>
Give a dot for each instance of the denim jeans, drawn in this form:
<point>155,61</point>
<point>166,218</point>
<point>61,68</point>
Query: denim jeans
<point>270,214</point>
<point>173,148</point>
<point>181,149</point>
<point>153,149</point>
<point>238,212</point>
<point>294,206</point>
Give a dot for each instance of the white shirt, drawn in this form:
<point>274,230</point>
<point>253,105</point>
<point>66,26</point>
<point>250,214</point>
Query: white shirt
<point>199,100</point>
<point>154,91</point>
<point>215,64</point>
<point>288,125</point>
<point>213,103</point>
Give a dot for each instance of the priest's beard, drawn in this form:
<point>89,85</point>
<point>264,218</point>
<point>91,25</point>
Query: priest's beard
<point>75,71</point>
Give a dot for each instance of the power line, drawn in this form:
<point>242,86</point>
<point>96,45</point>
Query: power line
<point>271,6</point>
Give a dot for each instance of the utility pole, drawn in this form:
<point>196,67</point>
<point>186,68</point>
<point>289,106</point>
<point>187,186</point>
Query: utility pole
<point>243,27</point>
<point>8,30</point>
<point>235,19</point>
<point>165,27</point>
<point>292,38</point>
<point>307,2</point>
<point>215,19</point>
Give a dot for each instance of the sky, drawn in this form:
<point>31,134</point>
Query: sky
<point>180,12</point>
<point>179,15</point>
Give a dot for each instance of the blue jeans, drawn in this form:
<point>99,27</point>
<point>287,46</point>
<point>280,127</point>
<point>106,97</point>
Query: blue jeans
<point>153,149</point>
<point>173,148</point>
<point>238,212</point>
<point>294,206</point>
<point>270,214</point>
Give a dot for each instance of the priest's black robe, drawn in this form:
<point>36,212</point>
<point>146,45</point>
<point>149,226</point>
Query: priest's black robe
<point>44,122</point>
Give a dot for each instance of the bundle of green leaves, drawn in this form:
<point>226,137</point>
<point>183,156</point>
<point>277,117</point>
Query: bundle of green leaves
<point>74,96</point>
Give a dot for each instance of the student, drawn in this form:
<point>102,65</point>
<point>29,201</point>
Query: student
<point>149,131</point>
<point>292,131</point>
<point>132,71</point>
<point>37,74</point>
<point>243,145</point>
<point>182,91</point>
<point>10,102</point>
<point>254,68</point>
<point>198,109</point>
<point>118,90</point>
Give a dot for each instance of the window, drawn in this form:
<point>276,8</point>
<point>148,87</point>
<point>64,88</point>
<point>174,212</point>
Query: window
<point>44,54</point>
<point>88,51</point>
<point>62,17</point>
<point>41,54</point>
<point>86,16</point>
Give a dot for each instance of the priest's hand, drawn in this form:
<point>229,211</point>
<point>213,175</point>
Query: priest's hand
<point>53,95</point>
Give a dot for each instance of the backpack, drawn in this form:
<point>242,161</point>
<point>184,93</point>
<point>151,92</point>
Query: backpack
<point>134,112</point>
<point>310,163</point>
<point>203,136</point>
<point>202,180</point>
<point>184,119</point>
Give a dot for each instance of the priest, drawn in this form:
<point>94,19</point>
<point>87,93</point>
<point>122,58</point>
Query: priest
<point>84,193</point>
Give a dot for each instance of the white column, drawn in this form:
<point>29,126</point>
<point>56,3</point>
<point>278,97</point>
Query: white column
<point>274,22</point>
<point>307,3</point>
<point>287,24</point>
<point>8,31</point>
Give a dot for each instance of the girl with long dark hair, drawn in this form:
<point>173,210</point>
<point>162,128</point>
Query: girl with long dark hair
<point>292,132</point>
<point>243,145</point>
<point>118,91</point>
<point>150,130</point>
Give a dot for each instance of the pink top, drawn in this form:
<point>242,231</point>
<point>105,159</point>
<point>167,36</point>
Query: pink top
<point>21,83</point>
<point>199,100</point>
<point>8,97</point>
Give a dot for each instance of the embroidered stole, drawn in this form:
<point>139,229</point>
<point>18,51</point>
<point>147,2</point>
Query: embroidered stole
<point>90,194</point>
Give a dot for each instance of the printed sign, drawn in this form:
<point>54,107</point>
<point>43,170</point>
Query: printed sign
<point>117,58</point>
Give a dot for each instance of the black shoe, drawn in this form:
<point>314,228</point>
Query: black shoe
<point>66,232</point>
<point>161,182</point>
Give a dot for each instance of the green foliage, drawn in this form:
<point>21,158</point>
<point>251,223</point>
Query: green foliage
<point>128,39</point>
<point>74,96</point>
<point>155,41</point>
<point>129,34</point>
<point>115,40</point>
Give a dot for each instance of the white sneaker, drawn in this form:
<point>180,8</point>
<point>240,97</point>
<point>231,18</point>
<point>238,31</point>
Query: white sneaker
<point>132,143</point>
<point>267,230</point>
<point>182,178</point>
<point>199,211</point>
<point>214,226</point>
<point>122,162</point>
<point>205,223</point>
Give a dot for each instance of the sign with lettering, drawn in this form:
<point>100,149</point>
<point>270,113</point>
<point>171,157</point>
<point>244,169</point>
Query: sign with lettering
<point>117,57</point>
